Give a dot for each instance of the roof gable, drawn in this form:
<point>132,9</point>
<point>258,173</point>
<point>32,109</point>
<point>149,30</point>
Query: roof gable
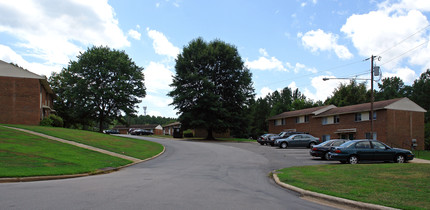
<point>9,70</point>
<point>405,104</point>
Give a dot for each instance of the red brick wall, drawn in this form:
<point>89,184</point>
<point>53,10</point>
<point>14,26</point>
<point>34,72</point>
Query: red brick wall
<point>396,128</point>
<point>404,127</point>
<point>19,101</point>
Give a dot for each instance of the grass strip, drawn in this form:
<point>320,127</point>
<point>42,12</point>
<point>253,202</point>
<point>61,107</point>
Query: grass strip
<point>136,148</point>
<point>422,154</point>
<point>23,155</point>
<point>404,186</point>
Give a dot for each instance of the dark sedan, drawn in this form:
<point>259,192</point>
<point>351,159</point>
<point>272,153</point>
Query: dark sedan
<point>321,150</point>
<point>368,150</point>
<point>297,140</point>
<point>263,139</point>
<point>141,132</point>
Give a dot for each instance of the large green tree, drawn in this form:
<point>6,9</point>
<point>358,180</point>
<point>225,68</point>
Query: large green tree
<point>391,87</point>
<point>211,87</point>
<point>349,94</point>
<point>101,86</point>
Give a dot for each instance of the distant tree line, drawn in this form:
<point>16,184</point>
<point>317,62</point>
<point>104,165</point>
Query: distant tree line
<point>146,119</point>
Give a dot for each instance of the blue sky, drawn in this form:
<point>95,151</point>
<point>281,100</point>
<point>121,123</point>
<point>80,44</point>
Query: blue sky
<point>291,43</point>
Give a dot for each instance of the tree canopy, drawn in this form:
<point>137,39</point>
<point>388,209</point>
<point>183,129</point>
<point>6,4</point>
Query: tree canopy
<point>349,94</point>
<point>98,88</point>
<point>212,87</point>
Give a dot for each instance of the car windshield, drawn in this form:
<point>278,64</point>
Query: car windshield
<point>346,144</point>
<point>326,143</point>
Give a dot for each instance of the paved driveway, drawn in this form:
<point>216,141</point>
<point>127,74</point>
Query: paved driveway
<point>189,175</point>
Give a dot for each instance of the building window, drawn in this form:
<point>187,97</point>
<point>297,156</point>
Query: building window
<point>336,119</point>
<point>374,115</point>
<point>302,119</point>
<point>279,122</point>
<point>325,137</point>
<point>357,117</point>
<point>324,121</point>
<point>370,136</point>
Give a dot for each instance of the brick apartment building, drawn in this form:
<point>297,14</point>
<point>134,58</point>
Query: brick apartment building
<point>395,122</point>
<point>25,97</point>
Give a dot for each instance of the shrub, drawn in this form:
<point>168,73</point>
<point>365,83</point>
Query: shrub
<point>188,134</point>
<point>52,120</point>
<point>46,121</point>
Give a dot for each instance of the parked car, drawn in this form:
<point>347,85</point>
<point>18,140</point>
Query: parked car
<point>355,151</point>
<point>141,132</point>
<point>263,139</point>
<point>297,140</point>
<point>322,150</point>
<point>111,131</point>
<point>271,140</point>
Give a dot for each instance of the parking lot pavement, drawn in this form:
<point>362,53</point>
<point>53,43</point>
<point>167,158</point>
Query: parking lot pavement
<point>281,158</point>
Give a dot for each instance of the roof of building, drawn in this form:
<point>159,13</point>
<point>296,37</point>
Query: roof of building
<point>393,104</point>
<point>404,104</point>
<point>10,70</point>
<point>302,112</point>
<point>172,124</point>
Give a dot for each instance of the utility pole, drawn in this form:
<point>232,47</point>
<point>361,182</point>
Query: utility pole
<point>371,95</point>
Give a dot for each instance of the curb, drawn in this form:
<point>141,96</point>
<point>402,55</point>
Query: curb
<point>336,200</point>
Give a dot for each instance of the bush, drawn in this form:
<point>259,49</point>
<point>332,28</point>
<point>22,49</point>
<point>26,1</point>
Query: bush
<point>47,121</point>
<point>52,120</point>
<point>188,134</point>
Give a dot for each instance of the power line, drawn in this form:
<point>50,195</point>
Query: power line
<point>395,45</point>
<point>410,50</point>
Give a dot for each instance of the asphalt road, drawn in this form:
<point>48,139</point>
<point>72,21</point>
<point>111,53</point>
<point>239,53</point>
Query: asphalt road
<point>189,175</point>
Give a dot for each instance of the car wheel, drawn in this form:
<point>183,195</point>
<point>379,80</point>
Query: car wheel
<point>311,144</point>
<point>400,159</point>
<point>326,156</point>
<point>283,145</point>
<point>353,159</point>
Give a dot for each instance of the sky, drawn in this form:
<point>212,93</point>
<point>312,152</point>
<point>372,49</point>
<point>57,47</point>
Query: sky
<point>294,43</point>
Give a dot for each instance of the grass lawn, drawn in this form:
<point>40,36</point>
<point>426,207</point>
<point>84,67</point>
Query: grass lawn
<point>422,154</point>
<point>127,146</point>
<point>23,154</point>
<point>404,186</point>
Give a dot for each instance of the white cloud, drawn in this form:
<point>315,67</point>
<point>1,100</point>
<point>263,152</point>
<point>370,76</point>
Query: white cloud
<point>385,31</point>
<point>320,41</point>
<point>406,74</point>
<point>134,34</point>
<point>298,67</point>
<point>161,44</point>
<point>264,92</point>
<point>293,86</point>
<point>323,89</point>
<point>265,62</point>
<point>56,31</point>
<point>10,56</point>
<point>158,77</point>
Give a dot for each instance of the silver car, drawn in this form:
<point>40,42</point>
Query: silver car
<point>297,140</point>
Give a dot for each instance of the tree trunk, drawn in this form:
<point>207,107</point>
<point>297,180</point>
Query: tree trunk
<point>210,135</point>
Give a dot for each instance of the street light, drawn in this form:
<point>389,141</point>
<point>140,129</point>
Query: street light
<point>372,68</point>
